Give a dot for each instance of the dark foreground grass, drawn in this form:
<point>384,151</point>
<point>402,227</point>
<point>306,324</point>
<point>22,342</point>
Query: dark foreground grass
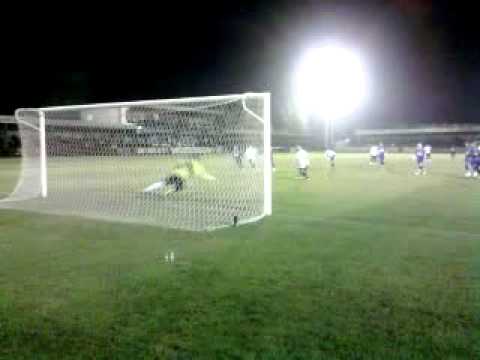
<point>359,262</point>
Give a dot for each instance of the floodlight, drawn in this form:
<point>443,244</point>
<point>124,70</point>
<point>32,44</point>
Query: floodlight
<point>330,82</point>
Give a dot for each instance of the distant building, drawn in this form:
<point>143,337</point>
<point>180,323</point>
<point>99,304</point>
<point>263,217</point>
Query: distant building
<point>440,136</point>
<point>8,124</point>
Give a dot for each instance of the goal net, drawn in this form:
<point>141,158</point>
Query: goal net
<point>194,164</point>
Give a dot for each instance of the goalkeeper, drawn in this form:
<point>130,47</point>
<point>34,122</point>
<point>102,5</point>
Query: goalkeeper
<point>175,181</point>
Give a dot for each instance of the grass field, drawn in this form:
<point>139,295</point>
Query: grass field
<point>358,262</point>
<point>111,188</point>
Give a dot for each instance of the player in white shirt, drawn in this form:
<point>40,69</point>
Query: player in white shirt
<point>251,155</point>
<point>428,152</point>
<point>453,152</point>
<point>330,155</point>
<point>428,155</point>
<point>373,154</point>
<point>302,159</point>
<point>237,155</point>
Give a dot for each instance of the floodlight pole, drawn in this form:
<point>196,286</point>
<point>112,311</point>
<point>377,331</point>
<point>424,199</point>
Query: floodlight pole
<point>332,134</point>
<point>326,133</point>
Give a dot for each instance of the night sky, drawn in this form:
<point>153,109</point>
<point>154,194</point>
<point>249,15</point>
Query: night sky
<point>423,56</point>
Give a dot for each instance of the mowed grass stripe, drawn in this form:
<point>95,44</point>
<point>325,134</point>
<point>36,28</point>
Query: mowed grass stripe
<point>358,262</point>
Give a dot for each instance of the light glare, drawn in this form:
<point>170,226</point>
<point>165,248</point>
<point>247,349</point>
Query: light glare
<point>330,82</point>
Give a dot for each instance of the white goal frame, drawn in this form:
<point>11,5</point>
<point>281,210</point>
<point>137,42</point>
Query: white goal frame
<point>264,118</point>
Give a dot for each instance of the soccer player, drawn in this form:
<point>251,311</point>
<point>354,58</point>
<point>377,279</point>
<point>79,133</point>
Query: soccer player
<point>175,181</point>
<point>472,161</point>
<point>420,158</point>
<point>428,152</point>
<point>381,154</point>
<point>237,155</point>
<point>330,155</point>
<point>453,152</point>
<point>469,159</point>
<point>251,155</point>
<point>476,161</point>
<point>373,154</point>
<point>303,162</point>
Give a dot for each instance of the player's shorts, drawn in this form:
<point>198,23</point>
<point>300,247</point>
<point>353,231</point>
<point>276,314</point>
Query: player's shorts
<point>420,160</point>
<point>176,181</point>
<point>468,163</point>
<point>428,156</point>
<point>373,158</point>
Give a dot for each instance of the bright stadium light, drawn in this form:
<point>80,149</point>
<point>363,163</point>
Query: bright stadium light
<point>330,83</point>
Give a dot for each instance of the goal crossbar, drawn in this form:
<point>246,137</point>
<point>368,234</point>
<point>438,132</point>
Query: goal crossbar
<point>233,97</point>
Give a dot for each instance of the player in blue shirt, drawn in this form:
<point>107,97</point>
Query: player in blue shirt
<point>475,161</point>
<point>470,159</point>
<point>420,158</point>
<point>467,159</point>
<point>381,154</point>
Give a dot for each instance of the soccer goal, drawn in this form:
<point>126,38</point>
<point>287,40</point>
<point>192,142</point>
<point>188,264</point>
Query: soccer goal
<point>174,163</point>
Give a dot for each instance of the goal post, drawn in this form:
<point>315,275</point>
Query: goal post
<point>32,181</point>
<point>43,155</point>
<point>102,160</point>
<point>267,138</point>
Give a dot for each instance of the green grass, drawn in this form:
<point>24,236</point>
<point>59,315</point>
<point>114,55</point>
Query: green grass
<point>359,262</point>
<point>110,188</point>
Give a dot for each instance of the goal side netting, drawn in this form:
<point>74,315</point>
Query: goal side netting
<point>194,164</point>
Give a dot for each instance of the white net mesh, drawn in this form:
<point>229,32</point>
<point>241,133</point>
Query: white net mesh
<point>174,163</point>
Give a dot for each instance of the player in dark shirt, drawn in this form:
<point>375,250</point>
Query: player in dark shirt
<point>381,154</point>
<point>420,158</point>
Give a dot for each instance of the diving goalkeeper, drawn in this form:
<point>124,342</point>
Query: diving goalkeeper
<point>175,181</point>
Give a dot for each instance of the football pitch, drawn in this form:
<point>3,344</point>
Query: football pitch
<point>358,262</point>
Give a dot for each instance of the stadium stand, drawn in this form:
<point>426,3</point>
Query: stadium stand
<point>9,139</point>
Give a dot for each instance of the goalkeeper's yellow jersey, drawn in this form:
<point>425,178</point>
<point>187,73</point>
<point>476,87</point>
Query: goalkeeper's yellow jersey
<point>194,168</point>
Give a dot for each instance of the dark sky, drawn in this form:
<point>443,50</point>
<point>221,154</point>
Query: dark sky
<point>423,56</point>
